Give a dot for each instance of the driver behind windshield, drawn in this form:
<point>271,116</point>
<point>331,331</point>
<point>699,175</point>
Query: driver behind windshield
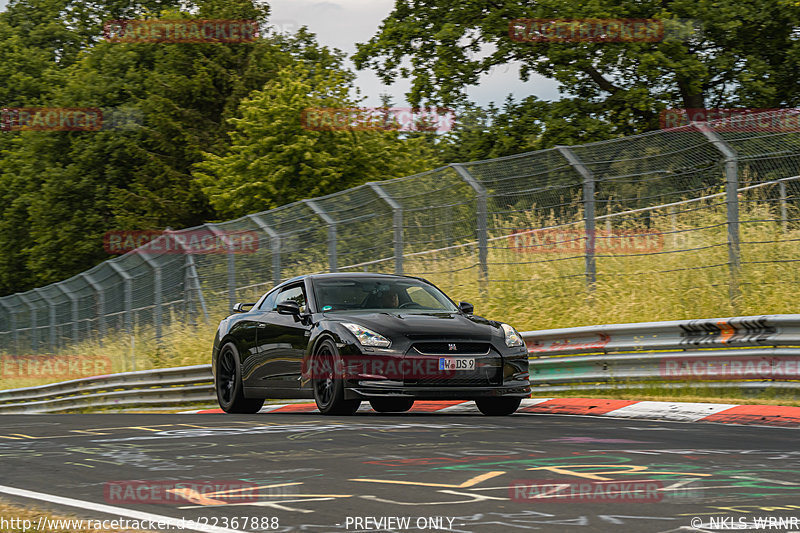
<point>388,299</point>
<point>382,297</point>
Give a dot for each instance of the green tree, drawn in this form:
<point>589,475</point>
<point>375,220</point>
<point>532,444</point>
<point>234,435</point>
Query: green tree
<point>61,191</point>
<point>742,53</point>
<point>275,158</point>
<point>522,126</point>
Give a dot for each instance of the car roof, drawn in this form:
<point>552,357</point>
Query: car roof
<point>356,275</point>
<point>346,275</point>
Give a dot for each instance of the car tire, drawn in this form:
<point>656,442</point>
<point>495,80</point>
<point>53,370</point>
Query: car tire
<point>228,384</point>
<point>501,406</point>
<point>328,383</point>
<point>391,405</point>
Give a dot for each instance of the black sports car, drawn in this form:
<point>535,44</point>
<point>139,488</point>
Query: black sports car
<point>344,338</point>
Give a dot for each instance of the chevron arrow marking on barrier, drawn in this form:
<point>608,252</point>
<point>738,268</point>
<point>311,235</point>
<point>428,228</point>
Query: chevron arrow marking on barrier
<point>726,331</point>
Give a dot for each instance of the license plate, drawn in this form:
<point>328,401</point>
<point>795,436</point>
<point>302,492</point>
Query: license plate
<point>456,363</point>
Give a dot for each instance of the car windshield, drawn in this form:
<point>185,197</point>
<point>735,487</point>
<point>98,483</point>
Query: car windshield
<point>379,294</point>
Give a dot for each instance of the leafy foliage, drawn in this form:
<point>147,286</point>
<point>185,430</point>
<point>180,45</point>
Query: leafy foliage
<point>737,53</point>
<point>60,192</point>
<point>274,159</point>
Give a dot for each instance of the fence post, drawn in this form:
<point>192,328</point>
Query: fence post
<point>101,305</point>
<point>34,332</point>
<point>397,223</point>
<point>127,282</point>
<point>52,316</point>
<point>483,225</point>
<point>332,259</point>
<point>191,274</point>
<point>784,217</point>
<point>74,310</point>
<point>157,311</point>
<point>12,324</point>
<point>588,212</point>
<point>730,159</point>
<point>275,246</point>
<point>231,267</point>
<point>673,219</point>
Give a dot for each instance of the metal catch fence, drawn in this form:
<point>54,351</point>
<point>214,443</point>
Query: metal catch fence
<point>718,207</point>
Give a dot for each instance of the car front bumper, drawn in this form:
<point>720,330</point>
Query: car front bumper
<point>367,391</point>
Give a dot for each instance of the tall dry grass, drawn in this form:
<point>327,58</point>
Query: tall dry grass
<point>686,277</point>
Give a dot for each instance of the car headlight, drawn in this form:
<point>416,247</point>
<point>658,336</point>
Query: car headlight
<point>367,337</point>
<point>513,338</point>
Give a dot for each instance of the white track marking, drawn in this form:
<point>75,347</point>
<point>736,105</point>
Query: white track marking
<point>463,407</point>
<point>673,411</point>
<point>528,402</point>
<point>118,511</point>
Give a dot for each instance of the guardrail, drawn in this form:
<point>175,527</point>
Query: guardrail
<point>747,352</point>
<point>161,387</point>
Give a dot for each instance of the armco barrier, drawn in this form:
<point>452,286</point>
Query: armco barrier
<point>747,352</point>
<point>167,387</point>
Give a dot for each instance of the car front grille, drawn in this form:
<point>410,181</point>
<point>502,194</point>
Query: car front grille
<point>452,348</point>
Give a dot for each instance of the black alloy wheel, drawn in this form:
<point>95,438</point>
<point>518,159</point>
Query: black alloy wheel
<point>228,384</point>
<point>328,382</point>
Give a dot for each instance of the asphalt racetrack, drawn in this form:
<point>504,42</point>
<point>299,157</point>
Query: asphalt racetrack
<point>403,472</point>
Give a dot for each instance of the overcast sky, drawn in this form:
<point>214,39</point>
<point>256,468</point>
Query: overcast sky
<point>343,23</point>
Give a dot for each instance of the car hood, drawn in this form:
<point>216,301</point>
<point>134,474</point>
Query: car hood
<point>422,326</point>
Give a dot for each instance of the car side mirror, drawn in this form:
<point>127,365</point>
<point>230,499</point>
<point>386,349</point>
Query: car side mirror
<point>289,308</point>
<point>239,307</point>
<point>466,308</point>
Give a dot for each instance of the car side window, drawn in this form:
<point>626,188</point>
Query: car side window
<point>269,302</point>
<point>294,294</point>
